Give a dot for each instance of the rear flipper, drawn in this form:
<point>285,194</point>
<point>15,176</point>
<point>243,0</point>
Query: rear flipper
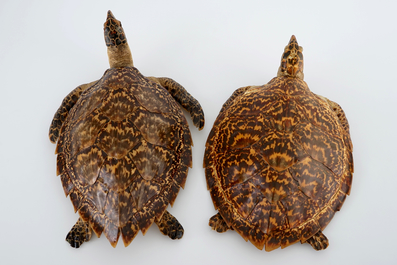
<point>170,226</point>
<point>218,224</point>
<point>318,241</point>
<point>183,97</point>
<point>80,233</point>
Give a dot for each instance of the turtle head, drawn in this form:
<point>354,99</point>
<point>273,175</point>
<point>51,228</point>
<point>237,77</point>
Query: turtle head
<point>118,50</point>
<point>292,60</point>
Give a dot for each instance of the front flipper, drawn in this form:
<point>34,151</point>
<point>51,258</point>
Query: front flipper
<point>218,224</point>
<point>183,97</point>
<point>339,112</point>
<point>80,233</point>
<point>318,241</point>
<point>170,226</point>
<point>62,112</point>
<point>238,92</point>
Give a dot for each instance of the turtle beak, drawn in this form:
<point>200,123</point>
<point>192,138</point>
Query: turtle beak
<point>110,15</point>
<point>114,33</point>
<point>292,40</point>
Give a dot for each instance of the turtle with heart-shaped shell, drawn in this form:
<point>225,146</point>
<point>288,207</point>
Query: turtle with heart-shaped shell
<point>124,148</point>
<point>278,160</point>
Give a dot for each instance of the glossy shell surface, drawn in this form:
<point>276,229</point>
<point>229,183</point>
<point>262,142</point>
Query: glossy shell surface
<point>278,163</point>
<point>123,153</point>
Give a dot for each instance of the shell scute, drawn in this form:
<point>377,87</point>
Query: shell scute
<point>278,219</point>
<point>325,216</point>
<point>111,207</point>
<point>112,232</point>
<point>118,174</point>
<point>309,230</point>
<point>119,104</point>
<point>238,166</point>
<point>117,138</point>
<point>273,240</point>
<point>151,161</point>
<point>143,191</point>
<point>84,131</point>
<point>275,185</point>
<point>66,183</point>
<point>322,146</point>
<point>315,180</point>
<point>90,100</point>
<point>129,231</point>
<point>86,165</point>
<point>280,150</point>
<point>159,129</point>
<point>156,101</point>
<point>244,197</point>
<point>241,132</point>
<point>291,236</point>
<point>299,208</point>
<point>260,215</point>
<point>319,114</point>
<point>97,195</point>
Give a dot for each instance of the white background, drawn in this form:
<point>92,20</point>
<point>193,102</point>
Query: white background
<point>211,47</point>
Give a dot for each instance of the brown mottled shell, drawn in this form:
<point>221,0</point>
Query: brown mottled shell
<point>278,163</point>
<point>123,153</point>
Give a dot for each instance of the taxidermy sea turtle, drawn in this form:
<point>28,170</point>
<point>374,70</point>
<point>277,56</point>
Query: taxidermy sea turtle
<point>124,148</point>
<point>278,160</point>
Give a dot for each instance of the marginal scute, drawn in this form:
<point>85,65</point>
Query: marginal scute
<point>278,160</point>
<point>311,228</point>
<point>66,183</point>
<point>325,217</point>
<point>129,231</point>
<point>112,233</point>
<point>291,236</point>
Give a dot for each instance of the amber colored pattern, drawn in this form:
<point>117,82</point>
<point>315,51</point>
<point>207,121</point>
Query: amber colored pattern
<point>278,164</point>
<point>124,150</point>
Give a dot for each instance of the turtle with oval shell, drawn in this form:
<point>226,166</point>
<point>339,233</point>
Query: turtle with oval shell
<point>278,160</point>
<point>124,148</point>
